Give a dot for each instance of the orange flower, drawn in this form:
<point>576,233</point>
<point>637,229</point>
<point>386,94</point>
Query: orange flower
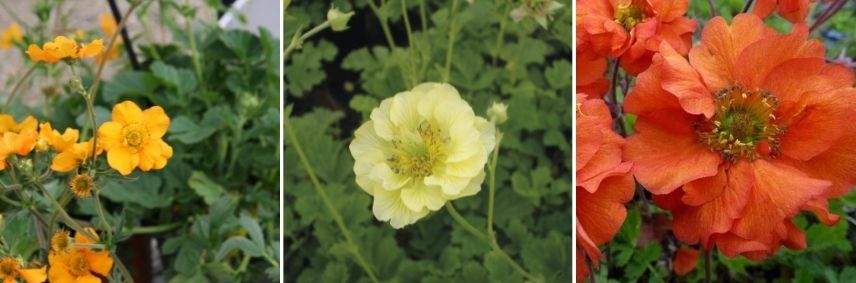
<point>604,182</point>
<point>10,269</point>
<point>590,73</point>
<point>632,30</point>
<point>64,48</point>
<point>108,26</point>
<point>74,156</point>
<point>795,11</point>
<point>134,138</point>
<point>16,138</point>
<point>10,35</point>
<point>685,261</point>
<point>744,135</point>
<point>77,264</point>
<point>59,142</point>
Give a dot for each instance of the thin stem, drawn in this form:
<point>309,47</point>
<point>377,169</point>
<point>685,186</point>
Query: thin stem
<point>451,45</point>
<point>122,268</point>
<point>70,221</point>
<point>298,38</point>
<point>194,54</point>
<point>155,229</point>
<point>422,15</point>
<point>113,39</point>
<point>410,67</point>
<point>712,8</point>
<point>101,214</point>
<point>18,85</point>
<point>492,186</point>
<point>827,14</point>
<point>460,219</point>
<point>747,6</point>
<point>501,35</point>
<point>615,109</point>
<point>329,204</point>
<point>381,16</point>
<point>706,266</point>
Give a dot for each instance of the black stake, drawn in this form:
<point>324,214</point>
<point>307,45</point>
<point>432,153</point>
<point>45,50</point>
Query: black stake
<point>129,46</point>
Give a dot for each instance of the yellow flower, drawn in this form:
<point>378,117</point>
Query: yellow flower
<point>64,48</point>
<point>422,147</point>
<point>59,142</point>
<point>74,156</point>
<point>79,263</point>
<point>11,269</point>
<point>81,185</point>
<point>10,35</point>
<point>60,241</point>
<point>16,138</point>
<point>134,138</point>
<point>108,26</point>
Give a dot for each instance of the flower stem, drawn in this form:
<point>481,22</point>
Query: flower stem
<point>352,247</point>
<point>298,38</point>
<point>18,85</point>
<point>501,35</point>
<point>828,13</point>
<point>155,229</point>
<point>381,16</point>
<point>100,210</point>
<point>70,221</point>
<point>194,55</point>
<point>122,268</point>
<point>491,241</point>
<point>712,8</point>
<point>453,27</point>
<point>747,6</point>
<point>410,67</point>
<point>422,16</point>
<point>615,109</point>
<point>706,266</point>
<point>492,186</point>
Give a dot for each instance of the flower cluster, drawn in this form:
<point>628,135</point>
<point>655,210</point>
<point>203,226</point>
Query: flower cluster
<point>734,136</point>
<point>64,48</point>
<point>75,260</point>
<point>420,149</point>
<point>604,182</point>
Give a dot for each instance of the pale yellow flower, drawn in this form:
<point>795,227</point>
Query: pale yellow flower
<point>420,149</point>
<point>540,10</point>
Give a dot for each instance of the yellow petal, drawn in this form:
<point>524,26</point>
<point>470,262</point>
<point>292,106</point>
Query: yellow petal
<point>156,121</point>
<point>127,112</point>
<point>110,135</point>
<point>34,275</point>
<point>100,262</point>
<point>92,49</point>
<point>36,54</point>
<point>123,160</point>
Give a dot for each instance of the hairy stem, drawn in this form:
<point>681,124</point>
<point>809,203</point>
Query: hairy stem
<point>453,32</point>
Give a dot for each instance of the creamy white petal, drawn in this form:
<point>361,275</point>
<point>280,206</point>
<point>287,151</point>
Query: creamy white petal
<point>403,113</point>
<point>472,188</point>
<point>388,206</point>
<point>380,117</point>
<point>390,181</point>
<point>419,196</point>
<point>450,184</point>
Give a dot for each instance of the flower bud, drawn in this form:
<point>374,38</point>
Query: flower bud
<point>338,20</point>
<point>497,112</point>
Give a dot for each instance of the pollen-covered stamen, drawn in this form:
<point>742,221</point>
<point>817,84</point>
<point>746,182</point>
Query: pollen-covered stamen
<point>416,153</point>
<point>135,135</point>
<point>77,264</point>
<point>628,13</point>
<point>744,125</point>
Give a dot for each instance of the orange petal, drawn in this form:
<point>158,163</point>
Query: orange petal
<point>34,275</point>
<point>680,79</point>
<point>685,261</point>
<point>767,54</point>
<point>156,121</point>
<point>716,56</point>
<point>664,161</point>
<point>92,49</point>
<point>100,262</point>
<point>123,160</point>
<point>127,112</point>
<point>601,214</point>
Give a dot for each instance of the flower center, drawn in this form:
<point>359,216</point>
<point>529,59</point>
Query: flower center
<point>77,264</point>
<point>628,13</point>
<point>8,266</point>
<point>60,241</point>
<point>744,126</point>
<point>135,134</point>
<point>415,154</point>
<point>81,185</point>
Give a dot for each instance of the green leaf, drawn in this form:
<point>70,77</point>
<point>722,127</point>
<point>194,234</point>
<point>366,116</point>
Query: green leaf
<point>182,80</point>
<point>146,191</point>
<point>238,242</point>
<point>559,75</point>
<point>209,190</point>
<point>253,228</point>
<point>499,269</point>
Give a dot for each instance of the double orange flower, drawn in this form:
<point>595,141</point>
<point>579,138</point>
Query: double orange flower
<point>740,137</point>
<point>63,48</point>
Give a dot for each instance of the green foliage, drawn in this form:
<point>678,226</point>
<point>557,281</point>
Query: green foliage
<point>531,74</point>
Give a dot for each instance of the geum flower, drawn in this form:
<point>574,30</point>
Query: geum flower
<point>632,30</point>
<point>739,139</point>
<point>134,138</point>
<point>10,36</point>
<point>108,27</point>
<point>795,11</point>
<point>604,182</point>
<point>16,138</point>
<point>70,263</point>
<point>540,10</point>
<point>420,149</point>
<point>64,48</point>
<point>11,269</point>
